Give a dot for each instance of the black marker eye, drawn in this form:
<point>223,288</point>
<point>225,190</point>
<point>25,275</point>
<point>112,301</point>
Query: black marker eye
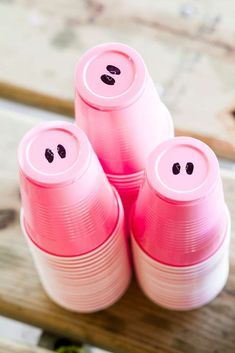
<point>113,70</point>
<point>108,80</point>
<point>61,151</point>
<point>189,168</point>
<point>49,155</point>
<point>176,168</point>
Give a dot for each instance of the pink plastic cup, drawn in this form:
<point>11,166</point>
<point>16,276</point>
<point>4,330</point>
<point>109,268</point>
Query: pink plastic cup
<point>88,282</point>
<point>69,205</point>
<point>187,287</point>
<point>179,218</point>
<point>128,188</point>
<point>117,105</point>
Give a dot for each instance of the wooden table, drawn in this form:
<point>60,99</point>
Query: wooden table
<point>13,347</point>
<point>189,49</point>
<point>134,324</point>
<point>188,46</point>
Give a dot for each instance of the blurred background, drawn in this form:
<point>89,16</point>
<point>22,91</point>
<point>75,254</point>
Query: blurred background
<point>188,46</point>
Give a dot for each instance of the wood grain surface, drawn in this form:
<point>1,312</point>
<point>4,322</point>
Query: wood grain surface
<point>134,324</point>
<point>188,47</point>
<point>7,346</point>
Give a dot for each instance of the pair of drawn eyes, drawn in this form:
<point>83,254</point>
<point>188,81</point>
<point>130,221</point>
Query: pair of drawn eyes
<point>62,153</point>
<point>177,167</point>
<point>113,70</point>
<point>50,155</point>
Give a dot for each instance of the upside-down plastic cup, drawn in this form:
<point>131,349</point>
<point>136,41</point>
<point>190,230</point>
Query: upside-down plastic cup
<point>180,215</point>
<point>180,225</point>
<point>117,105</point>
<point>72,218</point>
<point>69,205</point>
<point>89,282</point>
<point>128,188</point>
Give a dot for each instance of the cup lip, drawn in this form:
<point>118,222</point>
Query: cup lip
<point>128,184</point>
<point>225,240</point>
<point>170,195</point>
<point>127,188</point>
<point>118,227</point>
<point>62,178</point>
<point>131,182</point>
<point>119,101</point>
<point>126,177</point>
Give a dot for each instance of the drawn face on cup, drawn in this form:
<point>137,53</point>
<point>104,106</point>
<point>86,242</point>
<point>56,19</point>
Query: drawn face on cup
<point>53,151</point>
<point>182,168</point>
<point>109,74</point>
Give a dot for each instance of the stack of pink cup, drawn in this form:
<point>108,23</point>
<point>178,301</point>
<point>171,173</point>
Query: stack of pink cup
<point>72,218</point>
<point>118,107</point>
<point>181,226</point>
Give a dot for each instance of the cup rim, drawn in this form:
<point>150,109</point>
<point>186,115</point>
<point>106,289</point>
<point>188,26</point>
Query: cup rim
<point>126,177</point>
<point>75,261</point>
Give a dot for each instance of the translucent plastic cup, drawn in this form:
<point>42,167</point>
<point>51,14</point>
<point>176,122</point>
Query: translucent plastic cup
<point>90,282</point>
<point>117,105</point>
<point>183,287</point>
<point>128,188</point>
<point>179,218</point>
<point>69,206</point>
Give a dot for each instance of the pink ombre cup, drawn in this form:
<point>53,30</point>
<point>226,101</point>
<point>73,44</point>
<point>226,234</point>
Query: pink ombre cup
<point>128,188</point>
<point>88,282</point>
<point>187,287</point>
<point>69,206</point>
<point>179,218</point>
<point>117,105</point>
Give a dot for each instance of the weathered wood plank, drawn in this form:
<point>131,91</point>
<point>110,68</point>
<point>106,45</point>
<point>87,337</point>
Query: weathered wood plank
<point>188,47</point>
<point>134,324</point>
<point>206,21</point>
<point>7,346</point>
